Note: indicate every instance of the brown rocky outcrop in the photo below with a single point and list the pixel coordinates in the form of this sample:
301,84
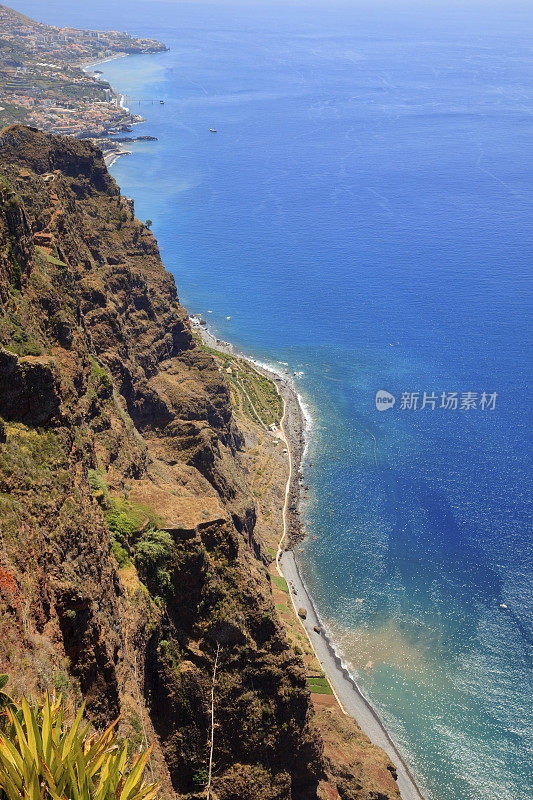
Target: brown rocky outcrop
29,388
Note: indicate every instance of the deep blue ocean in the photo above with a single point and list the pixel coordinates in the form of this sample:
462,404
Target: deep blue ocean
363,214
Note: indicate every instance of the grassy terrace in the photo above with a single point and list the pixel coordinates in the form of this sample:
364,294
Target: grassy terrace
252,393
281,583
49,257
319,685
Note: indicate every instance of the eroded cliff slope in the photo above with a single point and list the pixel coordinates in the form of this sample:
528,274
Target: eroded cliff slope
128,555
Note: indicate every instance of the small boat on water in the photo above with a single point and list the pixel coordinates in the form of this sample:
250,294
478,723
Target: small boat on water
162,102
213,130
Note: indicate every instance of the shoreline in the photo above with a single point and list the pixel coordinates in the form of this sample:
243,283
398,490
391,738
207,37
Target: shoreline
112,155
86,66
349,696
293,426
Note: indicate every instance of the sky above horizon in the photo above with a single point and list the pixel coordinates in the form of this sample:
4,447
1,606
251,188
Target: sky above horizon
52,7
120,14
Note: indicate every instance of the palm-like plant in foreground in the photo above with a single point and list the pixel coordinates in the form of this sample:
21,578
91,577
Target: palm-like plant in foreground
43,758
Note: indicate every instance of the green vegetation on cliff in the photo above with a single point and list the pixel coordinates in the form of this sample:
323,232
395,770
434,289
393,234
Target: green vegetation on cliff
251,391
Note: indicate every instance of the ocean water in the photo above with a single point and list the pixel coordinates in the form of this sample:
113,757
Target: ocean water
363,214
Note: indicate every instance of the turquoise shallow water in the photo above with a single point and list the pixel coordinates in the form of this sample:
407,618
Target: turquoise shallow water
363,215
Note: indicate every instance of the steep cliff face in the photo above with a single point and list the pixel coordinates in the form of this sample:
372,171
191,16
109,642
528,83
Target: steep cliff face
128,557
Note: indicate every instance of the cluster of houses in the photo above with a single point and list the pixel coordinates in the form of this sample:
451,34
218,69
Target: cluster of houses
42,84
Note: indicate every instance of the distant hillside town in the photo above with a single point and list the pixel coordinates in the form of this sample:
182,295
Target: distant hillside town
42,82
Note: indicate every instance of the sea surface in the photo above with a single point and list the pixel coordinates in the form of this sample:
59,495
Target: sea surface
363,216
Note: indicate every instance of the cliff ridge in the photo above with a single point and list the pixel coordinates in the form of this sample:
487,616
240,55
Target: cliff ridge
130,554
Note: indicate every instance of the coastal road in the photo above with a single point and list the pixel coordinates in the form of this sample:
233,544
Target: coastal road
351,699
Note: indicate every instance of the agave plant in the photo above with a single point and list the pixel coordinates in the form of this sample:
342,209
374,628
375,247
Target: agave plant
42,758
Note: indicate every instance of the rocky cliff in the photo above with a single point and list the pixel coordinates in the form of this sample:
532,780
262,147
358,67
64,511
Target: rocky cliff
128,554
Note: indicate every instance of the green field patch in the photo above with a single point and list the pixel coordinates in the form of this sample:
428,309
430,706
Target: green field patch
280,583
319,686
51,259
320,690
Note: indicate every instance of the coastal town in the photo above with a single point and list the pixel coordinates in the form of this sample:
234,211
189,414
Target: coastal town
43,82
